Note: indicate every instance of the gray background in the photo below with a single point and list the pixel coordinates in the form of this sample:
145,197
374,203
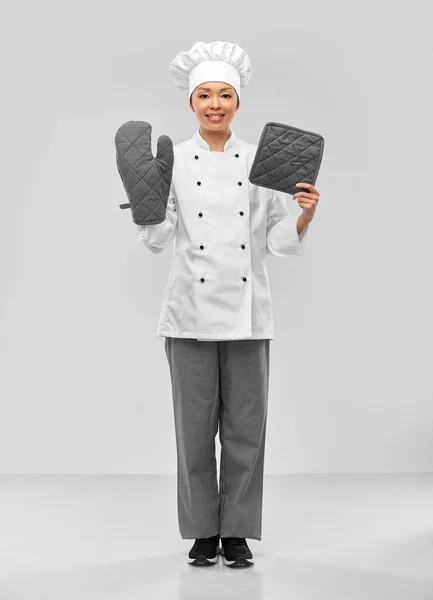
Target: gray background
84,381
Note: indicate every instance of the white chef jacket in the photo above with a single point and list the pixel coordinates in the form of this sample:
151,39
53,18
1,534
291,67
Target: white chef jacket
223,227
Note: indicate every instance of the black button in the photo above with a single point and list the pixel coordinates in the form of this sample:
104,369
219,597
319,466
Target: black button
239,182
242,212
200,214
198,182
237,155
202,279
196,156
244,278
243,246
201,247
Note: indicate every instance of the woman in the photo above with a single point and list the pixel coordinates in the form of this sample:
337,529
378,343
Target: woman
218,292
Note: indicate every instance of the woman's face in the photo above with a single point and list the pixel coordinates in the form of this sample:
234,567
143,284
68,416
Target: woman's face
214,97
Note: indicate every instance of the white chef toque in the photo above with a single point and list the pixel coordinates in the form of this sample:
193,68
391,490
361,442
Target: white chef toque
215,61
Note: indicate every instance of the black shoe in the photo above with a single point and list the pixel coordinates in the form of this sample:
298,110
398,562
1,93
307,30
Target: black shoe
205,551
236,552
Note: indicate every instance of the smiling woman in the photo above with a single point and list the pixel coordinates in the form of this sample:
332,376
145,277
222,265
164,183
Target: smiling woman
215,106
216,314
213,74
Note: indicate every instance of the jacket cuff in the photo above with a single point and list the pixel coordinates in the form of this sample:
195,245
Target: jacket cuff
283,238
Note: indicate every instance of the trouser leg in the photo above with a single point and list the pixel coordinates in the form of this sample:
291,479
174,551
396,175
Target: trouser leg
194,380
244,385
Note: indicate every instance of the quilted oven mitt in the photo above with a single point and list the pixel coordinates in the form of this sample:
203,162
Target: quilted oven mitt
286,155
146,179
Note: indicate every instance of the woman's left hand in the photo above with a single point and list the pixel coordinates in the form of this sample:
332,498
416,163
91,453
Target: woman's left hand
307,200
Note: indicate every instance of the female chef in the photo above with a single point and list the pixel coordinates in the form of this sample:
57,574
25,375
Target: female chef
218,292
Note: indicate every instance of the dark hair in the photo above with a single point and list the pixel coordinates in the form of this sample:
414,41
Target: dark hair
237,105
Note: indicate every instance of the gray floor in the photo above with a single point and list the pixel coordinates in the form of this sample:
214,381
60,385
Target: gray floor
324,536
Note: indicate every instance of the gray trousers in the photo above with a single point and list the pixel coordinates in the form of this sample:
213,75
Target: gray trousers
221,383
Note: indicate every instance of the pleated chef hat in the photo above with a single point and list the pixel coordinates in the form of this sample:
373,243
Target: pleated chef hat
215,61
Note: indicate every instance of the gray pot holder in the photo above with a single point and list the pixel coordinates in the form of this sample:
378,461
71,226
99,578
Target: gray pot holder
285,156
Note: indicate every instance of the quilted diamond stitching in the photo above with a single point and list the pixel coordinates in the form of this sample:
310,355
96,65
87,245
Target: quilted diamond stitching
285,156
152,174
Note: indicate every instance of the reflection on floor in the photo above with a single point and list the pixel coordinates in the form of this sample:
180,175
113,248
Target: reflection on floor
348,537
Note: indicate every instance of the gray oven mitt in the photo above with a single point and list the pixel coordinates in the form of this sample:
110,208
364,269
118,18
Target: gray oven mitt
286,156
146,179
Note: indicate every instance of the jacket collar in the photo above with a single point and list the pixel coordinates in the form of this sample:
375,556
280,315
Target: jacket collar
201,143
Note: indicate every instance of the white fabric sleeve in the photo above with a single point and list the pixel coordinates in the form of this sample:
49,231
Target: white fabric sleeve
158,237
282,237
